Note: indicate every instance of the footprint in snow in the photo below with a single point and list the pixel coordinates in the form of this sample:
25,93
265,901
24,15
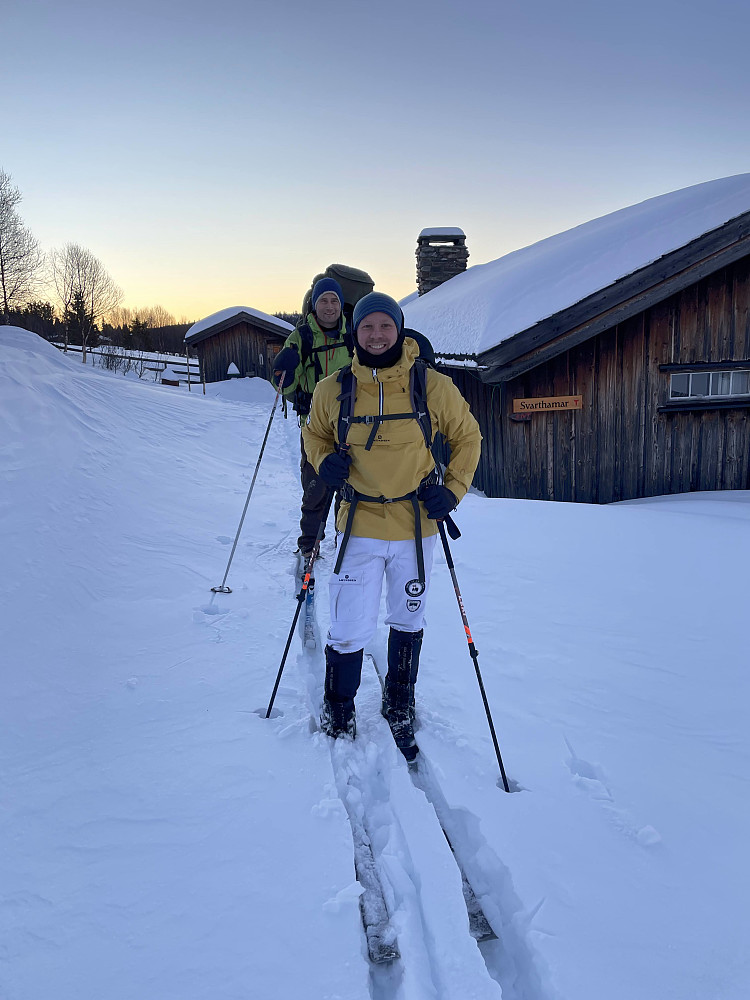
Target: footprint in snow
590,777
208,611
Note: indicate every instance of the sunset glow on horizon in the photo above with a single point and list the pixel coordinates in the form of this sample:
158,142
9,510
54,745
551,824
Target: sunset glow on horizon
224,155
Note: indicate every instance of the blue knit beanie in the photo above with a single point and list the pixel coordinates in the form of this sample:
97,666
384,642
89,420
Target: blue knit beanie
376,302
326,285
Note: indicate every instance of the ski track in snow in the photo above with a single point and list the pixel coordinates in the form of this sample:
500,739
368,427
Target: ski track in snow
404,815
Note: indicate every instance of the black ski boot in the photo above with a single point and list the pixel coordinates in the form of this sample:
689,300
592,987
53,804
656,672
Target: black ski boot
343,672
398,691
337,718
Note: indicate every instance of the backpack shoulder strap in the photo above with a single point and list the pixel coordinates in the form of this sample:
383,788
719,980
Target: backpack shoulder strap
312,354
346,401
418,390
306,340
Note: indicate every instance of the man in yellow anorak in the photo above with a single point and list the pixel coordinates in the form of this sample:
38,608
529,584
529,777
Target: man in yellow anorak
366,436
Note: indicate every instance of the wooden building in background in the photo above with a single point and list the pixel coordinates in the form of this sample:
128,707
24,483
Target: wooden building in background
240,336
640,389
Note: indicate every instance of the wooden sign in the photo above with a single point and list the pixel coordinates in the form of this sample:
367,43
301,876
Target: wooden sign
547,404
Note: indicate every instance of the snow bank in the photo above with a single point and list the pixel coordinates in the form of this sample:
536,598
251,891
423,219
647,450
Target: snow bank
243,390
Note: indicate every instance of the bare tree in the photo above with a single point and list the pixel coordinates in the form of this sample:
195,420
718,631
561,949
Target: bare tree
20,257
156,316
84,288
120,316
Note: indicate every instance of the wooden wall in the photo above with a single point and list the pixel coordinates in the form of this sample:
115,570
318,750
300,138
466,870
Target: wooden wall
621,445
250,348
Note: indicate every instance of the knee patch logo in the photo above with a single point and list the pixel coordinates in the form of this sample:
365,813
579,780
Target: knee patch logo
413,605
414,589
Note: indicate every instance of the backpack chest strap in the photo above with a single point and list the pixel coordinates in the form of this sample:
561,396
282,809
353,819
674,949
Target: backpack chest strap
419,412
377,419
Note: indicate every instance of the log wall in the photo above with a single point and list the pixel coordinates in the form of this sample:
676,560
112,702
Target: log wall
249,347
622,444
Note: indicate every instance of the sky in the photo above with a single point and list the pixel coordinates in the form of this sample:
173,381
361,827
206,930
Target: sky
222,154
162,840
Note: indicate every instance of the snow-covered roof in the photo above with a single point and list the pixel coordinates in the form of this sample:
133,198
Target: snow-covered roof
411,297
225,315
489,303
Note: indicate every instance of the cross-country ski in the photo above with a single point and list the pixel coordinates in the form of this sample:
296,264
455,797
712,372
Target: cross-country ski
307,618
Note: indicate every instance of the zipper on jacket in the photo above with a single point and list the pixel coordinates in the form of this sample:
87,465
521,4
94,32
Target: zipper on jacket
380,390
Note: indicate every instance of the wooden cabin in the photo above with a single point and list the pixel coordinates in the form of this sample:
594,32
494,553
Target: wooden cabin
640,388
239,336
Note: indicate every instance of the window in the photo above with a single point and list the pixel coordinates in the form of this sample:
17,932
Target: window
705,385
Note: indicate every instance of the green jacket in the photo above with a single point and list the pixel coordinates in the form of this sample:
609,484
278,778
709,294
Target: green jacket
307,373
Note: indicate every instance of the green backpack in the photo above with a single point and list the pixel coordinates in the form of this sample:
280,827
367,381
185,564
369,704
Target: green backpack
355,284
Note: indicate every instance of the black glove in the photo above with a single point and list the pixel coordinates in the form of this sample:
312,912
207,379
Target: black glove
438,500
334,469
286,362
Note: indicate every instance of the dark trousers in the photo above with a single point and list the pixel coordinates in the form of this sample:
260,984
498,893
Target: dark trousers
314,499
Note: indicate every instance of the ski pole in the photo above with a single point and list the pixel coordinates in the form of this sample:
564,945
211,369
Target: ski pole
472,648
222,589
301,598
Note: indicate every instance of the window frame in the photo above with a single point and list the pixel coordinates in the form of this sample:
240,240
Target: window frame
671,404
712,375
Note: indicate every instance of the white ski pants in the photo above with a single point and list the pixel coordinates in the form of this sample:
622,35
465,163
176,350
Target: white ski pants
355,591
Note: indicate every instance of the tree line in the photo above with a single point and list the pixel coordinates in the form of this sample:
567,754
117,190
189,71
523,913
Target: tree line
67,295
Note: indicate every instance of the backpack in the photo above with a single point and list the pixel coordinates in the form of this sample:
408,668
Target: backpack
417,395
354,284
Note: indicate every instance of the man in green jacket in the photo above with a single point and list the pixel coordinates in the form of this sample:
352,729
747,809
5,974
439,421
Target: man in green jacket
319,346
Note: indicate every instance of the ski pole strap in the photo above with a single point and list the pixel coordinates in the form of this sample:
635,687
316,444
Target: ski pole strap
352,497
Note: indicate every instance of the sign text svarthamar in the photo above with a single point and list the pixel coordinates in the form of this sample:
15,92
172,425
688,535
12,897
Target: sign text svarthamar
547,404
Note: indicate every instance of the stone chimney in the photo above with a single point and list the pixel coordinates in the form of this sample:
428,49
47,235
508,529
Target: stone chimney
441,254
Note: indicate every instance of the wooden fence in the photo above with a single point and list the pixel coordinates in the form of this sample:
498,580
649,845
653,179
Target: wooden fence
142,361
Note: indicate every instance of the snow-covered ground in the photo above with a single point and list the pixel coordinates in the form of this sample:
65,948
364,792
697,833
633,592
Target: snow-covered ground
160,840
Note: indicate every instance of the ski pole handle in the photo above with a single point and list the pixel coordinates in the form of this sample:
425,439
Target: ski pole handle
453,529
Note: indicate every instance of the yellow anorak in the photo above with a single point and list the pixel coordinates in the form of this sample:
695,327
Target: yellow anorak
398,460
